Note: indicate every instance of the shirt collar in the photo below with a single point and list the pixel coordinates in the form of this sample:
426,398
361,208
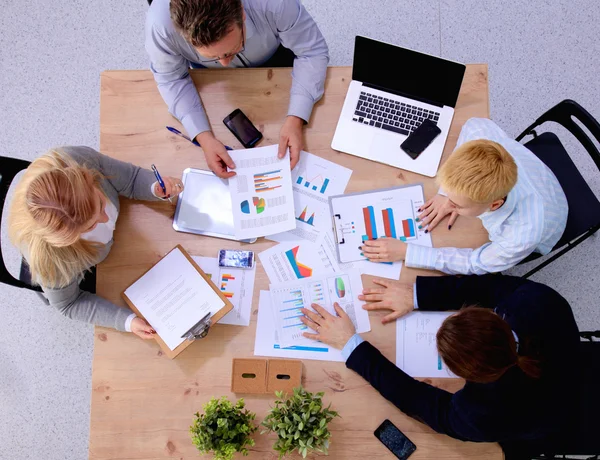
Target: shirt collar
498,216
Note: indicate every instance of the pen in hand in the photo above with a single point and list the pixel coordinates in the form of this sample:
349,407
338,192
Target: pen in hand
160,182
195,142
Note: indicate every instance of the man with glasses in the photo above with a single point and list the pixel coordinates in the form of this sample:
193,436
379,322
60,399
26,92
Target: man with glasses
235,33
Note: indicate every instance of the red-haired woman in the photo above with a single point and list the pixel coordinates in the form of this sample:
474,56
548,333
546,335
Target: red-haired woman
513,341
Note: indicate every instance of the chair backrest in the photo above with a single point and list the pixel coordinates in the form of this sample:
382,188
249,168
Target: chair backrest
584,207
9,168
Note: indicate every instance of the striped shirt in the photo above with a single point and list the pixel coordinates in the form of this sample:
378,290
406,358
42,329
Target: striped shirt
532,219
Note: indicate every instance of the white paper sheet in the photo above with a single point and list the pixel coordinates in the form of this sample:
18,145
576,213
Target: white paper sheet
294,260
314,179
261,193
416,350
288,298
238,286
388,213
266,342
173,297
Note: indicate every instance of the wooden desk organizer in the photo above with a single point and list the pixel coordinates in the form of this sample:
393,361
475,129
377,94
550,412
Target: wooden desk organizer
262,376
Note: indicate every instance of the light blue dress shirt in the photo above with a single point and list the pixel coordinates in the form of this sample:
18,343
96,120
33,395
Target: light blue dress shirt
532,219
269,23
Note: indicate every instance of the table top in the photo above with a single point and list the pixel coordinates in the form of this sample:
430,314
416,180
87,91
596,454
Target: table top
142,402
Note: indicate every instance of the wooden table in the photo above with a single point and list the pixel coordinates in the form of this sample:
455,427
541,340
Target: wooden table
142,402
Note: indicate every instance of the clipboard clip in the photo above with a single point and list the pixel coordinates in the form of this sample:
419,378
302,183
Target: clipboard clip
198,330
338,240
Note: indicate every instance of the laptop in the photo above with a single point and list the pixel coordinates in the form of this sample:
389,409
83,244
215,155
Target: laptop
392,91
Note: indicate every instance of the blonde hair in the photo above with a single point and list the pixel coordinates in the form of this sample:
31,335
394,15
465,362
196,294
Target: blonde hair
53,202
481,170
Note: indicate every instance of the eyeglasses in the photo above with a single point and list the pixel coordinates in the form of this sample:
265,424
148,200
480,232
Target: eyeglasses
228,55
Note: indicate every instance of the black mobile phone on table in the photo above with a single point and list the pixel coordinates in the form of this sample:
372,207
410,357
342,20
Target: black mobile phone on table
420,138
395,440
242,128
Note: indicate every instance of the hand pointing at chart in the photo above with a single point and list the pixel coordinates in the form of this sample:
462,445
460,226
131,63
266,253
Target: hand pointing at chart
331,330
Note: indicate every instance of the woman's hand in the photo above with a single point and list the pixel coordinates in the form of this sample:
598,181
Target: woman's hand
393,296
173,186
142,329
434,210
331,330
384,250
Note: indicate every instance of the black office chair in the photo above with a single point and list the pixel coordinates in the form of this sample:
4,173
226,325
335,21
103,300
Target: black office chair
584,208
9,168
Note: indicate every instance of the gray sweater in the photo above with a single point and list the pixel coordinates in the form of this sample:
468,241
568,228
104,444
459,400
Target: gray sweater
120,178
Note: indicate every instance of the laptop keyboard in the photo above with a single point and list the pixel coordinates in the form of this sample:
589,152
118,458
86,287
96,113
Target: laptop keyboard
390,115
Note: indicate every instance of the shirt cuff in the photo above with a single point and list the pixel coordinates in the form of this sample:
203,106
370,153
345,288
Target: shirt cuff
351,345
128,321
195,123
415,302
300,106
420,257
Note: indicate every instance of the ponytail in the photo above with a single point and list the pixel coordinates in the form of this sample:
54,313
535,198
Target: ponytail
529,366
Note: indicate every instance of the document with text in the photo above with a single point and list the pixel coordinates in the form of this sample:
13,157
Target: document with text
261,193
173,297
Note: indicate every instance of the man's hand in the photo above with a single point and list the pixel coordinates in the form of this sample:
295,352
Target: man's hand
142,329
434,210
216,155
384,250
394,296
331,330
291,136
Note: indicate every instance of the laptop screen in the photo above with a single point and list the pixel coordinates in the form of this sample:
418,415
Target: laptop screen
408,73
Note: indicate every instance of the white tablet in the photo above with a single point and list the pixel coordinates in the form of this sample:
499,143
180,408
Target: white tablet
204,206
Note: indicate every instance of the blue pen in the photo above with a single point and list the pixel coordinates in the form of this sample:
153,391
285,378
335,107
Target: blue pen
195,142
160,181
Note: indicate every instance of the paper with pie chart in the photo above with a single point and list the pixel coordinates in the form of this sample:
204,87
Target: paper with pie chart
287,300
294,260
261,193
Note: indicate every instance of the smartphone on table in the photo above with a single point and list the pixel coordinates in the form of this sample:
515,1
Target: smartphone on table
235,258
420,138
395,440
242,128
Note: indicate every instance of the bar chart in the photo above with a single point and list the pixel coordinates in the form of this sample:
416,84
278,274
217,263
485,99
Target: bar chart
225,278
288,313
318,184
270,180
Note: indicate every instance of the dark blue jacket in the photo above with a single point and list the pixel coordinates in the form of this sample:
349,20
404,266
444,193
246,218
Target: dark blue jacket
515,407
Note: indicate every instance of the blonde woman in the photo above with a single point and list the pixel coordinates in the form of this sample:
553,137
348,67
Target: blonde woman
62,219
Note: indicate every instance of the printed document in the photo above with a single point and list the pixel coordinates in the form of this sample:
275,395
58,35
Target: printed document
173,297
261,193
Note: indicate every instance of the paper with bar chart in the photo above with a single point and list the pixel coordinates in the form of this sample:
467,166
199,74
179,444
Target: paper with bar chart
261,193
294,260
389,213
236,284
287,299
314,179
416,346
266,342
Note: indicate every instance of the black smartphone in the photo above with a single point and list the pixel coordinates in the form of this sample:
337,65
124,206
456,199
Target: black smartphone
395,440
420,138
242,128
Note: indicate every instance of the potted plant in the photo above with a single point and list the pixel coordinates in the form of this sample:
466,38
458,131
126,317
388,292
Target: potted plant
223,429
300,423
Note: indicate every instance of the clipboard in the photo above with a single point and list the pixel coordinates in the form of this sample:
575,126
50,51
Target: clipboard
342,234
213,319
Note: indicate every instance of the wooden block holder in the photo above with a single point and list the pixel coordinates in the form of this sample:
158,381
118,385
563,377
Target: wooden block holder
265,376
